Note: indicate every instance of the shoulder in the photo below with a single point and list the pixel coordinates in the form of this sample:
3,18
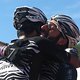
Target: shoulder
40,40
36,39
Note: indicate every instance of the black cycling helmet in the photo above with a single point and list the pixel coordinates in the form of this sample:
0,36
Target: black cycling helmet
29,18
68,28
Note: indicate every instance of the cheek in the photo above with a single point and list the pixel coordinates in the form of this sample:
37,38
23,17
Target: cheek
53,33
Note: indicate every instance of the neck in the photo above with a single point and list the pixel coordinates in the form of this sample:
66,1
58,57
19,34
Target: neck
22,37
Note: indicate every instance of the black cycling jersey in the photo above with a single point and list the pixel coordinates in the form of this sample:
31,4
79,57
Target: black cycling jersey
31,59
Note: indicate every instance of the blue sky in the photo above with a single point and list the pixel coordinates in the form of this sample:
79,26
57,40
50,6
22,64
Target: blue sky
49,7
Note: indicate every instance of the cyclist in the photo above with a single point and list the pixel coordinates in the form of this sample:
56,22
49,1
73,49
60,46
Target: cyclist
63,31
22,54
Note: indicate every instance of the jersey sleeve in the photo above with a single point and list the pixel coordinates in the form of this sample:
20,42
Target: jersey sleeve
72,51
3,47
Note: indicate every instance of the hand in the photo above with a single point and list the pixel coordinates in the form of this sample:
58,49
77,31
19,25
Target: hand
50,29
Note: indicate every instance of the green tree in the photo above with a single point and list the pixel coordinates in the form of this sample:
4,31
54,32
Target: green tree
78,48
